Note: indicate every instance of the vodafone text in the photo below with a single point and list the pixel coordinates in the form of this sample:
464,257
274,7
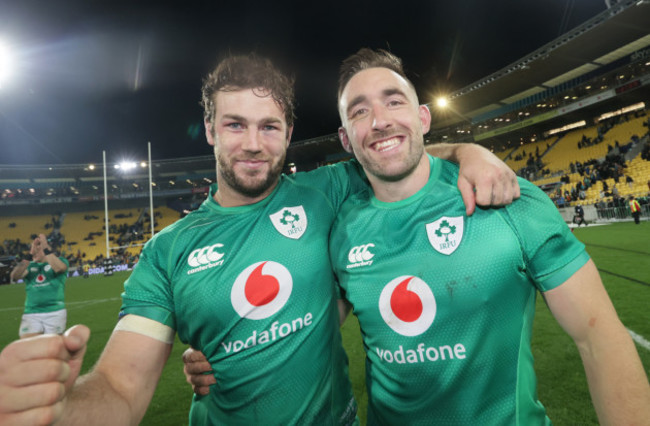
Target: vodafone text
276,331
422,354
41,284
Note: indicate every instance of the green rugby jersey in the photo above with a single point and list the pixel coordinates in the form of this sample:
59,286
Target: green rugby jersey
252,288
44,288
446,302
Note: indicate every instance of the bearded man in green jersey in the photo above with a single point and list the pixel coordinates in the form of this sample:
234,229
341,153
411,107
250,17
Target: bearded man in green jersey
446,301
246,279
44,274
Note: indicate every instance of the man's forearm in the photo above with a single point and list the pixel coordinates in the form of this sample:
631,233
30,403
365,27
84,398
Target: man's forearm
19,270
617,381
446,151
122,383
57,265
455,151
94,401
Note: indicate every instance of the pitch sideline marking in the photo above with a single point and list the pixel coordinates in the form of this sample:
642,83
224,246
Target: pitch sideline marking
81,302
640,340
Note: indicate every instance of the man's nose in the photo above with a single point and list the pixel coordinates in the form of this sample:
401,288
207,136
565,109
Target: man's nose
252,141
380,118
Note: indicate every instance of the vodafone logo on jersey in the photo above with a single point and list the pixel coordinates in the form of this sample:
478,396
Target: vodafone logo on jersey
407,305
261,290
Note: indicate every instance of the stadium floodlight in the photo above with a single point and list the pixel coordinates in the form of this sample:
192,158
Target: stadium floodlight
442,102
127,165
6,64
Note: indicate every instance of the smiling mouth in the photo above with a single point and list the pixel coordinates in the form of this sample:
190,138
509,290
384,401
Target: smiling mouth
386,145
252,164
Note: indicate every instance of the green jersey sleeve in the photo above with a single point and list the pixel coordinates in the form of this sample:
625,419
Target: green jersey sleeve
552,253
147,292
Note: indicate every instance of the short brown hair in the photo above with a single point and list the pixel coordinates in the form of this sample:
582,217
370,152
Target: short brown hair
249,72
367,58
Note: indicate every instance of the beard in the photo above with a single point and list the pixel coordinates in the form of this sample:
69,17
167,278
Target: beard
396,169
250,185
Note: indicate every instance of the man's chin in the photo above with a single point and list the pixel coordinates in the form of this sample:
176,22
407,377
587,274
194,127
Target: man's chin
390,174
250,183
254,189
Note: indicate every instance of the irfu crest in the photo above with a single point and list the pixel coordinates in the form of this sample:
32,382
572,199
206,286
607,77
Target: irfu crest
445,234
290,221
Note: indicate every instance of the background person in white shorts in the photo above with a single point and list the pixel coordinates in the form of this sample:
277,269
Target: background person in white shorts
44,274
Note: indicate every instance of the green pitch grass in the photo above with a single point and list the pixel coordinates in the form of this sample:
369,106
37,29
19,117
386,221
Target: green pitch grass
620,251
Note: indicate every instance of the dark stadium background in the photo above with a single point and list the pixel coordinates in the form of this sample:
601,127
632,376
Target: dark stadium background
112,75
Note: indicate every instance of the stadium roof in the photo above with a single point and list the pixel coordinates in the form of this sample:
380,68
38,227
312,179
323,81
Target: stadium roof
614,33
609,36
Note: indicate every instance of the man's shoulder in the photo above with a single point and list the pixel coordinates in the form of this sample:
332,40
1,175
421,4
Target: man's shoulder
329,171
530,190
182,225
448,171
336,181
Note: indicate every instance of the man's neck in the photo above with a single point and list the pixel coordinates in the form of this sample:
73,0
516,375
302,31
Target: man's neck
393,191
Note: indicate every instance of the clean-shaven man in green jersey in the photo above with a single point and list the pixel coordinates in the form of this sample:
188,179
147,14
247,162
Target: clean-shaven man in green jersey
446,301
44,274
246,279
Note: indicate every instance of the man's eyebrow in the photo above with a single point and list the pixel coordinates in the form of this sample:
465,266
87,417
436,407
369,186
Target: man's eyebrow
270,120
354,102
393,91
386,93
235,117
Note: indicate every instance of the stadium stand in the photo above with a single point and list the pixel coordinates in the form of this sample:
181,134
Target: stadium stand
24,228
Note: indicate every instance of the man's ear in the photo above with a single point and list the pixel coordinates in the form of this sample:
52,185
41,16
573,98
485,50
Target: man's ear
289,133
343,137
425,118
209,133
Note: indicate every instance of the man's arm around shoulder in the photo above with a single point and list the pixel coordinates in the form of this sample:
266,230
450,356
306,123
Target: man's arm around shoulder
483,179
617,381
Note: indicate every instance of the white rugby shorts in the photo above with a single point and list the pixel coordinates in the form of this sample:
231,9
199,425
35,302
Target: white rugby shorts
43,323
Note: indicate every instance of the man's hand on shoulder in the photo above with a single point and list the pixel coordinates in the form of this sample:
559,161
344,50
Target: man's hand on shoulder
484,179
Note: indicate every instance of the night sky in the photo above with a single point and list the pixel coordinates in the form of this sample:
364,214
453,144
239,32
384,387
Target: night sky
112,75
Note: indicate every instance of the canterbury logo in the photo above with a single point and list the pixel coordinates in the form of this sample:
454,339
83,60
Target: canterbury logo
360,253
205,255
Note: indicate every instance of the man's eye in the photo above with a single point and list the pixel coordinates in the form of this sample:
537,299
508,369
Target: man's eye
358,112
234,125
395,102
270,127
